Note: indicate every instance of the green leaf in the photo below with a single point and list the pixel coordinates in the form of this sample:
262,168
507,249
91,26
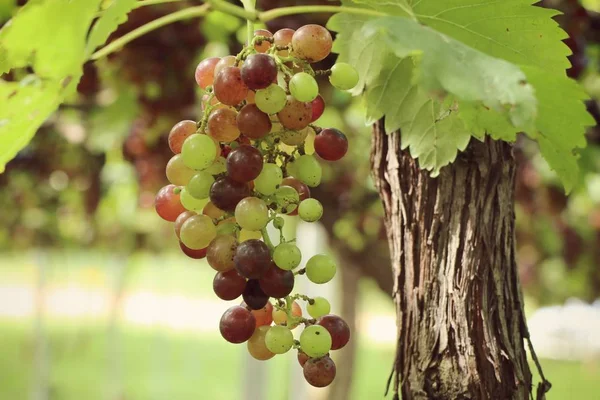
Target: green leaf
480,120
112,16
561,122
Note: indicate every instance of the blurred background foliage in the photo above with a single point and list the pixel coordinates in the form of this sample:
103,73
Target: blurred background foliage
77,212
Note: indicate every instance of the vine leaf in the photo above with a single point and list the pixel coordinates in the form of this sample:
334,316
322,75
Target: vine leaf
112,16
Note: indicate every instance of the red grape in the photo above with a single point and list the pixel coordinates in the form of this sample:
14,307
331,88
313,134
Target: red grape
302,358
228,61
229,87
253,295
259,71
337,328
253,123
283,37
318,106
296,114
264,316
263,46
244,163
179,133
226,193
319,372
311,43
237,324
205,72
181,219
331,144
167,204
252,258
276,282
229,285
222,125
191,253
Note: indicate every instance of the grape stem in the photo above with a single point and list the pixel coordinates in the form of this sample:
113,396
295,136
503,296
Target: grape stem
267,239
249,6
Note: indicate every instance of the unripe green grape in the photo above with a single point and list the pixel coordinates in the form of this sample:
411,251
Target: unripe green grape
286,199
199,185
198,151
310,210
271,100
343,76
197,232
278,222
177,173
320,268
307,169
245,234
219,166
279,339
294,137
269,179
287,256
319,307
190,202
252,214
315,341
227,228
304,87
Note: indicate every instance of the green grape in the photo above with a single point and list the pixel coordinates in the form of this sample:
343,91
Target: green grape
199,185
218,167
190,202
343,76
177,173
319,307
308,170
279,339
252,214
304,87
271,100
278,222
199,151
315,341
286,199
197,232
227,228
287,256
269,179
310,210
293,137
247,235
320,268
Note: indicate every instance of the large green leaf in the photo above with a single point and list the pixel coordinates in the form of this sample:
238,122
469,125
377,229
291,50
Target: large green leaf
112,16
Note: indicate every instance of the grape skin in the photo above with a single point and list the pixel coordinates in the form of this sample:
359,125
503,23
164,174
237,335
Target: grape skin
331,144
259,71
221,251
226,193
263,46
252,259
244,163
177,172
311,43
315,341
319,372
337,328
277,283
252,214
253,123
222,125
167,204
237,325
257,347
197,232
318,106
296,114
228,285
283,37
320,268
279,339
195,254
181,219
253,295
264,316
310,210
179,133
205,72
319,307
229,87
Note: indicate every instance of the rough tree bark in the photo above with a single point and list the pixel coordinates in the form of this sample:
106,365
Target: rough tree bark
461,327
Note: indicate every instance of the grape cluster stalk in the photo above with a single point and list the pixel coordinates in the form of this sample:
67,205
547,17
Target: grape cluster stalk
253,157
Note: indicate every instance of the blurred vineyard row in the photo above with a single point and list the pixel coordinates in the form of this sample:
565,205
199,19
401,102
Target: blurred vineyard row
91,173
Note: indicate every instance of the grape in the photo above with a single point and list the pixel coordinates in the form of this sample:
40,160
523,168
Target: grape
179,133
229,285
190,202
212,211
264,316
264,45
229,87
269,179
331,144
277,282
315,341
311,43
226,193
286,199
319,307
253,123
181,219
320,268
283,37
302,358
253,295
271,100
319,372
247,235
227,227
318,106
343,76
227,61
197,232
199,185
278,222
177,172
252,214
259,71
256,345
222,125
301,188
199,151
287,256
296,114
280,317
221,251
244,163
304,87
279,339
195,254
205,72
294,137
337,328
310,210
218,166
308,170
237,324
167,204
252,259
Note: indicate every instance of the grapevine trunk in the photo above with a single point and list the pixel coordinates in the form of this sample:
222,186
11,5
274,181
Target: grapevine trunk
461,327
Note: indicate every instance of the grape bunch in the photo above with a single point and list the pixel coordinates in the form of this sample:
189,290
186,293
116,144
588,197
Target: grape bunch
251,158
